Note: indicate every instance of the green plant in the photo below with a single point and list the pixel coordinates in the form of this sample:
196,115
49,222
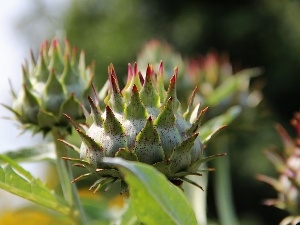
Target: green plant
142,123
138,141
142,140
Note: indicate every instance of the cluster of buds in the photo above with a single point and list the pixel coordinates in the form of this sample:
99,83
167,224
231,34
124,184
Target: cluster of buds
217,84
287,164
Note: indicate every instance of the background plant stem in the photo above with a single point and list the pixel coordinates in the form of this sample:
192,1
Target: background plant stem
65,175
222,183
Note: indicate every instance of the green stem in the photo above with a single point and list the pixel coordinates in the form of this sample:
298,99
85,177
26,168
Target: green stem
222,180
65,175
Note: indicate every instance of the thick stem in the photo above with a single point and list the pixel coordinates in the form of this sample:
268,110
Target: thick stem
65,175
222,182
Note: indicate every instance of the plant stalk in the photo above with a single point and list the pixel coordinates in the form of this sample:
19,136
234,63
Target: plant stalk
65,175
222,182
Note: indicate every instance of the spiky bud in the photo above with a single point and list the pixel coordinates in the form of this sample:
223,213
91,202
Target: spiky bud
141,123
53,84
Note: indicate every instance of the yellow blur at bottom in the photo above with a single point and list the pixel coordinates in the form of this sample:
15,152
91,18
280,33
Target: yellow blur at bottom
30,217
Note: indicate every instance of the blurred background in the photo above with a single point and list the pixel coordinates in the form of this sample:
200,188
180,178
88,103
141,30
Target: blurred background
256,33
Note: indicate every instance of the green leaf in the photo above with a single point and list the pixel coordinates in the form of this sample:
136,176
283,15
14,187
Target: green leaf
208,129
16,180
31,154
154,198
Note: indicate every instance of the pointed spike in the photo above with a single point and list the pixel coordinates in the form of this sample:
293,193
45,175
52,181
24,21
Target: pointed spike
67,50
271,181
161,68
111,124
54,94
26,78
81,64
135,109
166,118
85,111
195,126
289,145
73,56
129,74
205,141
160,83
74,147
13,93
277,160
112,74
32,59
80,162
33,106
188,112
133,79
141,78
68,77
71,107
194,167
110,184
148,145
172,90
82,177
181,156
89,142
135,69
192,182
97,184
148,94
13,111
56,57
41,71
149,71
72,121
95,112
183,174
116,100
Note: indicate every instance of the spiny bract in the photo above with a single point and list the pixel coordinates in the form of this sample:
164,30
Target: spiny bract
141,123
54,84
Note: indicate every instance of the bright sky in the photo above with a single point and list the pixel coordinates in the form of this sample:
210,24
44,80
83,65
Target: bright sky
12,54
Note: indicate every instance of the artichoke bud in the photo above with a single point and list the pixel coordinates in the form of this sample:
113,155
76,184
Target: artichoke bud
53,84
143,122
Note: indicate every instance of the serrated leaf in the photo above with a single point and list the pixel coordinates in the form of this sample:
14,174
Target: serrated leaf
32,154
155,199
16,180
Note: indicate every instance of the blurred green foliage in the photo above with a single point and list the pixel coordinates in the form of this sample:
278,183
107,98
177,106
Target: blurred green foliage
255,33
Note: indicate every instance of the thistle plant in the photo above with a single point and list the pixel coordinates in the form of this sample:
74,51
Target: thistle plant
56,83
140,137
142,123
287,166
